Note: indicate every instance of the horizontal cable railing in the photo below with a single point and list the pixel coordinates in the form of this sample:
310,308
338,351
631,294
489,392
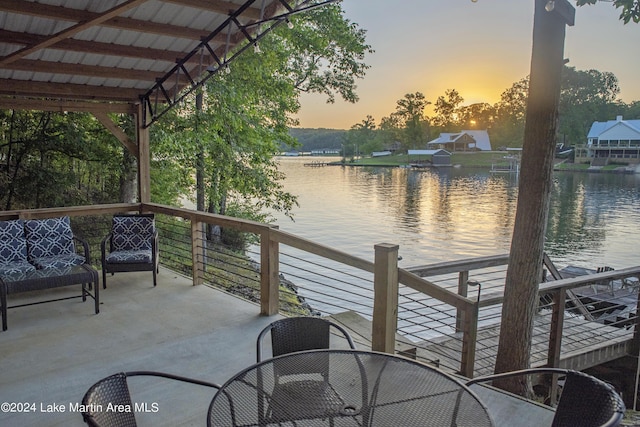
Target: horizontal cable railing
448,314
328,281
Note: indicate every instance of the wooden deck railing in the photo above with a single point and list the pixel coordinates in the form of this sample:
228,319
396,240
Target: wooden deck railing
387,277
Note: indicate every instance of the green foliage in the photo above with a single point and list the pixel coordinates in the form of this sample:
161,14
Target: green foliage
246,113
317,139
446,108
586,96
630,8
56,159
324,52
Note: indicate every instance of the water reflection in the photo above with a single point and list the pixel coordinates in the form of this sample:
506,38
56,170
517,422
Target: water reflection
457,213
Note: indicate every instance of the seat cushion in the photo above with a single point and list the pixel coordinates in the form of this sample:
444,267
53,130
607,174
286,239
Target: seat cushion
129,257
58,261
13,243
15,267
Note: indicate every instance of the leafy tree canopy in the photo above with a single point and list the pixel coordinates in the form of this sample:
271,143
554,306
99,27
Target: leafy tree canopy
630,8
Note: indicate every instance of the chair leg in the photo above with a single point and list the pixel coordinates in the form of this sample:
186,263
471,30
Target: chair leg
104,278
154,277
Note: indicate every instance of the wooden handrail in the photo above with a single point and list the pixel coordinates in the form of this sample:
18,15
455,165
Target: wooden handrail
271,237
460,265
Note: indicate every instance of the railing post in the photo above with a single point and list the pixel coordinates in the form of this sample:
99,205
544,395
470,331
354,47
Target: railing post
269,274
463,288
635,343
557,324
197,252
469,338
385,299
555,337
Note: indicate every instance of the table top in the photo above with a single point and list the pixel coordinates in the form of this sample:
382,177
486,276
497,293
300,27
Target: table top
345,388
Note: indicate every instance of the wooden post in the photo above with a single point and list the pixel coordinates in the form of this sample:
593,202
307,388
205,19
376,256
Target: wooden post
635,343
385,299
269,274
463,288
469,338
144,157
197,252
557,323
555,337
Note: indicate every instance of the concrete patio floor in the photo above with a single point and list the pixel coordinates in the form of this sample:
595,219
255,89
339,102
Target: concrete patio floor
52,353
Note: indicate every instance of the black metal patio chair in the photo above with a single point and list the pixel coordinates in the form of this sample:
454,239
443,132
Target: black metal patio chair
296,334
114,390
585,401
299,334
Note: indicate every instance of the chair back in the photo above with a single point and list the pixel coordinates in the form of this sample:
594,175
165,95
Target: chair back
132,232
13,248
112,390
299,334
49,237
588,402
294,334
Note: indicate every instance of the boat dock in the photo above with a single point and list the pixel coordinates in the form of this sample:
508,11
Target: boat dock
583,346
316,164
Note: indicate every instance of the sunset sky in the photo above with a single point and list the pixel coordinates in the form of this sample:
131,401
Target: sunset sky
480,49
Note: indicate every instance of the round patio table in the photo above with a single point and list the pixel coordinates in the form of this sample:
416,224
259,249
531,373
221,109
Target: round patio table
345,388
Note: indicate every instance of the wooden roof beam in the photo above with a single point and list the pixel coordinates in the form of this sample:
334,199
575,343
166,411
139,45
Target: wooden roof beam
13,103
76,15
83,70
67,91
72,45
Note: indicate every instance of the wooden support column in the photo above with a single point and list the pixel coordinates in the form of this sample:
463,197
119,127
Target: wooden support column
635,343
144,157
469,338
555,337
269,274
197,252
463,290
385,299
557,324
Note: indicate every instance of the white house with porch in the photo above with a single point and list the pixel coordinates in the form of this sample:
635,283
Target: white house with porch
466,140
614,140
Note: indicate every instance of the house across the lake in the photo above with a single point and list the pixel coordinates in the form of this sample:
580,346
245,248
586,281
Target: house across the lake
611,141
466,140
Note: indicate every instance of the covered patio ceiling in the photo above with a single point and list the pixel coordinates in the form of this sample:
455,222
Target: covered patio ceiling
124,56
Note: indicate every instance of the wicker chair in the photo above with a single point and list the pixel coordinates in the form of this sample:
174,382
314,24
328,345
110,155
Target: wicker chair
132,246
114,390
585,401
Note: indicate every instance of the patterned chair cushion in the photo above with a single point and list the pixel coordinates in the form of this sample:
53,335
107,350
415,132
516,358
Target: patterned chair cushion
128,257
13,243
132,233
15,267
50,243
13,248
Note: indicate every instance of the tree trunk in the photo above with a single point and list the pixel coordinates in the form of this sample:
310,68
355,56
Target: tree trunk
525,261
200,188
129,178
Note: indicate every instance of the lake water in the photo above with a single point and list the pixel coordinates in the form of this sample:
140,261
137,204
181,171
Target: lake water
459,213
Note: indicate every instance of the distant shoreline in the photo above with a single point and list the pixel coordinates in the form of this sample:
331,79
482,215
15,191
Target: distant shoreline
483,160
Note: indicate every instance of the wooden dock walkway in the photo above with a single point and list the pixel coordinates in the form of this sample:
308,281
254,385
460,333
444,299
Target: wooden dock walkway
585,344
316,164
